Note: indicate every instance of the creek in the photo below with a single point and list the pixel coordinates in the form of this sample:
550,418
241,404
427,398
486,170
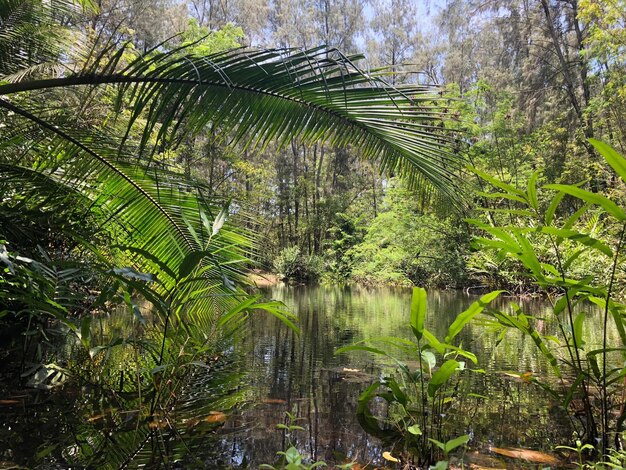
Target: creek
303,375
226,416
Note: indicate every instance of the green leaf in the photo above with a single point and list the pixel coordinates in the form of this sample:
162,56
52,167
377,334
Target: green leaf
85,333
521,323
593,198
434,342
578,329
238,310
45,451
573,257
149,256
462,352
293,456
441,465
570,393
218,223
560,304
552,207
572,219
527,255
511,190
368,422
441,376
613,158
429,358
418,311
456,442
415,430
277,311
532,191
578,237
439,444
595,368
134,308
398,394
465,317
504,210
512,197
190,262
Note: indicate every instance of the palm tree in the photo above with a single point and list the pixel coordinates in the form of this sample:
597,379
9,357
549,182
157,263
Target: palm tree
160,222
83,192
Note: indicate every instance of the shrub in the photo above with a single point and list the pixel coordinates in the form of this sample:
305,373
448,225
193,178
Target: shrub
405,246
292,265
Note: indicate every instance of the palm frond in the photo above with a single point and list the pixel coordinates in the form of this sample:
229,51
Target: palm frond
149,212
260,96
30,35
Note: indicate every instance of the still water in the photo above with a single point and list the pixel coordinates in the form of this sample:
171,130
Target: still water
303,375
227,417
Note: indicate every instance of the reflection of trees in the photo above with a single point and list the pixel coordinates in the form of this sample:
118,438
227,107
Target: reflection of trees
106,427
304,372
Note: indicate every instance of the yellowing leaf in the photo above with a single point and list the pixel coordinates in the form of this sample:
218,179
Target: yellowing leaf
215,417
387,456
534,456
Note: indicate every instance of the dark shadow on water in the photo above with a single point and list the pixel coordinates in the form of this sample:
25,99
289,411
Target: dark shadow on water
226,415
304,376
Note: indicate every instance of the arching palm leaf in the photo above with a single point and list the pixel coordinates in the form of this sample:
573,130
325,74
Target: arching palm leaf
281,95
255,97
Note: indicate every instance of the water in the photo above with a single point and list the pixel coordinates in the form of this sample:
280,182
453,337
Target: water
226,416
303,375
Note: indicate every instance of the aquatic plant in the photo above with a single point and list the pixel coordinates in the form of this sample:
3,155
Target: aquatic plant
291,458
575,260
418,399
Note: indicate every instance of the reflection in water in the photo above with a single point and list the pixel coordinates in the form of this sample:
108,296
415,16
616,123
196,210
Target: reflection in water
302,374
272,371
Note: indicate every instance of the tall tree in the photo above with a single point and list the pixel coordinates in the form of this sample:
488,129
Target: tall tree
258,96
394,34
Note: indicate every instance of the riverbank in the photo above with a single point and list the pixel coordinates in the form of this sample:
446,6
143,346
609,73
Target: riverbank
263,279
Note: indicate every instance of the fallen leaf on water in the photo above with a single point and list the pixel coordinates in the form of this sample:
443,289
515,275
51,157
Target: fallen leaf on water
527,377
215,417
478,461
389,457
273,401
534,456
5,465
96,418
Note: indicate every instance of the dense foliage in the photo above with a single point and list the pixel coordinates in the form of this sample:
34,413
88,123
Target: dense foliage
148,160
98,217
